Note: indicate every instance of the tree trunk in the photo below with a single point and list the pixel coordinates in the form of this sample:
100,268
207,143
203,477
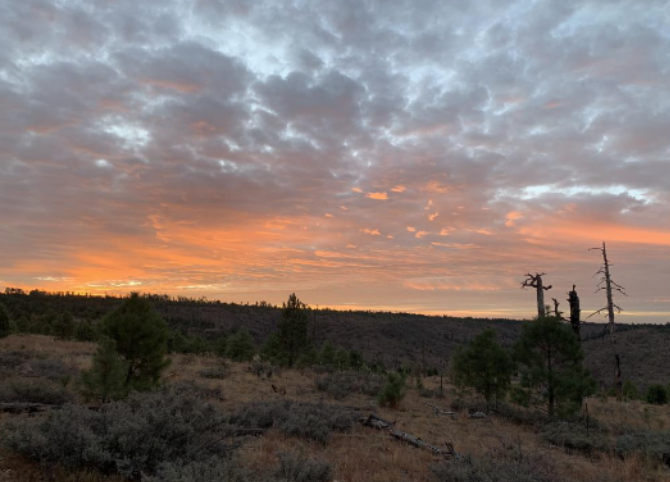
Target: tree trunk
575,312
541,313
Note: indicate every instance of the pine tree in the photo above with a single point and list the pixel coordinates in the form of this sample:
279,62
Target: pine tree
63,326
106,380
241,346
327,354
550,362
141,338
292,330
485,366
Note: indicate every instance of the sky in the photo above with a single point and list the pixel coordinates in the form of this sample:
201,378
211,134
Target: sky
416,156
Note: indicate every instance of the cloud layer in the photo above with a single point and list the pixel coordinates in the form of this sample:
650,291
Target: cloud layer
411,156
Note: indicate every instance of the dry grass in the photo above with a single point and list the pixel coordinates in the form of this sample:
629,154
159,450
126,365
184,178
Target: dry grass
365,454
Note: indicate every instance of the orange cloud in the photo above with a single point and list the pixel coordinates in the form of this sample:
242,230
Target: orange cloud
380,196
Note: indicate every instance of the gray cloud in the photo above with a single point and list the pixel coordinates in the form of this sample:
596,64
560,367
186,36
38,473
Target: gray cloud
206,137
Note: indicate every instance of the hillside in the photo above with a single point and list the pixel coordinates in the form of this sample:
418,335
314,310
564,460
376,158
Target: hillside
393,338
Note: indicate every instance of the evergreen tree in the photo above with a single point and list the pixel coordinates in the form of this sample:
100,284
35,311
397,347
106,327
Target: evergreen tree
355,360
141,338
85,331
5,323
342,359
106,380
292,330
327,354
485,366
657,394
63,326
550,361
241,346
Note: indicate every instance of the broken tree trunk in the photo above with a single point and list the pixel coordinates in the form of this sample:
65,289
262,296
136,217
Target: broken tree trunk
575,312
379,423
439,411
535,281
608,285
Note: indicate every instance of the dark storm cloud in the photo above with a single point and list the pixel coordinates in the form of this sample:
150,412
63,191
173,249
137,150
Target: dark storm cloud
401,140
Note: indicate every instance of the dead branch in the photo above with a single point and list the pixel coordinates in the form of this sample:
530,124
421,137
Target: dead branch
374,421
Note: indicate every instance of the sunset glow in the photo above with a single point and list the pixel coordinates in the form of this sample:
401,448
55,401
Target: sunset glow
365,155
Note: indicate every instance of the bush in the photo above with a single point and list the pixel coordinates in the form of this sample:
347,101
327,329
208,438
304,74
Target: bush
657,395
85,331
32,364
298,468
341,384
650,444
241,347
217,372
34,391
574,437
106,380
214,470
191,389
131,437
393,391
306,420
506,467
263,369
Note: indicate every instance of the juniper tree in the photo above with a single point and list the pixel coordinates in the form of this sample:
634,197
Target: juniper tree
241,346
485,366
292,334
141,338
106,379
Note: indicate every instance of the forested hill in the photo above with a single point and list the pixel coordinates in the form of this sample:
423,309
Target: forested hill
394,338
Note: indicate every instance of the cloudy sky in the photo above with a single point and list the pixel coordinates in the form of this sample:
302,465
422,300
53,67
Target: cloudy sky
407,155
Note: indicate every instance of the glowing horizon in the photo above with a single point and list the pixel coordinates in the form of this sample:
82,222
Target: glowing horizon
356,153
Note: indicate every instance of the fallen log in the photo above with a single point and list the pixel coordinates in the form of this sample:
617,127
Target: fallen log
439,411
23,407
379,423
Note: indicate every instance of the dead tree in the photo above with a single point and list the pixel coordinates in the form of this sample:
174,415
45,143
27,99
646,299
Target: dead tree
575,312
608,285
535,281
557,313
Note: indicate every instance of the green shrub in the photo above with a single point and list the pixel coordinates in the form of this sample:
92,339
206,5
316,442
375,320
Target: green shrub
650,444
217,469
85,331
130,437
106,379
657,395
306,420
191,389
298,468
341,384
241,347
393,391
575,437
63,326
217,372
33,390
518,468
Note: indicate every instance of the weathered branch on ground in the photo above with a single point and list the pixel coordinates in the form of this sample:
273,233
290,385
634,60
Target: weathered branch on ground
439,411
379,423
